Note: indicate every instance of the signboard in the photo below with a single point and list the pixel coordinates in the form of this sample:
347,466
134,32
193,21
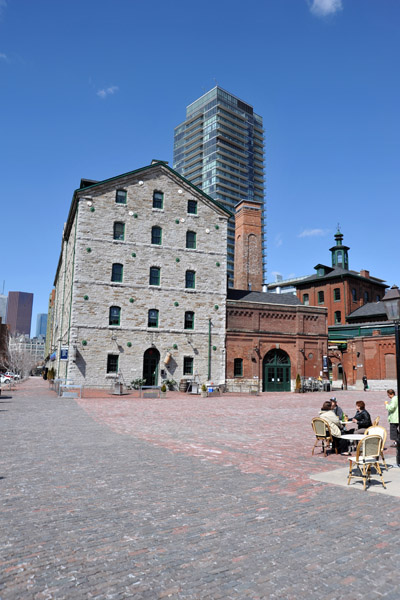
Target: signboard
64,353
325,363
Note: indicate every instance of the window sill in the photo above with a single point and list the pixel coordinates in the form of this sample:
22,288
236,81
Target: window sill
111,375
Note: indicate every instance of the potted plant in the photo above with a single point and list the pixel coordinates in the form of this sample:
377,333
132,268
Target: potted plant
163,391
203,391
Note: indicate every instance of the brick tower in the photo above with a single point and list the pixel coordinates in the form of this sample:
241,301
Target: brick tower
248,274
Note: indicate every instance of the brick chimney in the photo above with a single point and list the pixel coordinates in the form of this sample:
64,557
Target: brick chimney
248,249
364,273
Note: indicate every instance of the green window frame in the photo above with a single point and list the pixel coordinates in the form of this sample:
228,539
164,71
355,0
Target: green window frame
354,294
189,319
156,235
117,272
188,365
338,316
120,197
152,318
191,240
192,207
306,299
155,276
158,199
114,317
366,297
112,363
321,297
336,294
190,280
238,367
119,230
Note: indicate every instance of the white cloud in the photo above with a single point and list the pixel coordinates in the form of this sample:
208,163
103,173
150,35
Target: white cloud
323,8
313,233
3,56
278,240
108,91
3,6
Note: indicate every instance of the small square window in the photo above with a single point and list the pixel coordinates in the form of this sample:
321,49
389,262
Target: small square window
120,197
189,319
115,315
192,207
238,367
112,363
119,231
155,276
188,365
158,199
152,318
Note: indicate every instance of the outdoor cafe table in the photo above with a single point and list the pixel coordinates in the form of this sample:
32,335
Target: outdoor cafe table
353,438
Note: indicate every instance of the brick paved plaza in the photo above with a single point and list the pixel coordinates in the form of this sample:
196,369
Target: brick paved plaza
185,498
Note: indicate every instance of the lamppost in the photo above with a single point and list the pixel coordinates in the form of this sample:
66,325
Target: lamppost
392,307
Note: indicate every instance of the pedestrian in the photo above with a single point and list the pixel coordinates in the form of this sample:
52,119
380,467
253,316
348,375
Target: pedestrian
392,406
365,382
336,409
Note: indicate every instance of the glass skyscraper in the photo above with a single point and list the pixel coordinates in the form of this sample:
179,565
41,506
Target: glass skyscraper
220,149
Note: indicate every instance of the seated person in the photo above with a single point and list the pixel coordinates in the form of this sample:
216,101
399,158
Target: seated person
336,409
362,418
327,414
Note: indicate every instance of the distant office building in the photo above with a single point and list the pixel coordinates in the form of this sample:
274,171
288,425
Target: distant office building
220,149
19,312
41,325
3,308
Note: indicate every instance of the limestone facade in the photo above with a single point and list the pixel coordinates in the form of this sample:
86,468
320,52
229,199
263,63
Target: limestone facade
90,293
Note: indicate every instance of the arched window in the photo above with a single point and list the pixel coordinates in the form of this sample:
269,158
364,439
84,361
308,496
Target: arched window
117,272
189,319
152,320
155,276
156,235
191,240
119,230
190,279
115,315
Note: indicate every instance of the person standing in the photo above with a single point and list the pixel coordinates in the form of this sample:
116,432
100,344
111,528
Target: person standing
392,407
365,382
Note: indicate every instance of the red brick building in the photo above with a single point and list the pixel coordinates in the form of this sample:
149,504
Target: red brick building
270,338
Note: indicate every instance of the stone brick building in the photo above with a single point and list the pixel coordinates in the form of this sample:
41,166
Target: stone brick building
140,288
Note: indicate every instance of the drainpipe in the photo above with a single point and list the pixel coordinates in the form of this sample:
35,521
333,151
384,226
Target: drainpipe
209,350
72,283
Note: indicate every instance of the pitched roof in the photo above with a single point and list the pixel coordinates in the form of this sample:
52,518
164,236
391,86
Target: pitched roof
263,297
370,310
339,272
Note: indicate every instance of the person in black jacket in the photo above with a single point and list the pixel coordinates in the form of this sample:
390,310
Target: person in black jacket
365,382
362,417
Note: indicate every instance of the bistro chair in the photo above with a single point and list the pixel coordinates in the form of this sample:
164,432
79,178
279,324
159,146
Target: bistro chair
322,434
367,456
376,422
382,432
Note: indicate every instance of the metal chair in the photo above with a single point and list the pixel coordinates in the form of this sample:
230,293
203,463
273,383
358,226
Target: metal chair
367,456
382,432
323,434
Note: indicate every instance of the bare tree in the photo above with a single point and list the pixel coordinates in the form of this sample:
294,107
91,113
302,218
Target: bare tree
19,359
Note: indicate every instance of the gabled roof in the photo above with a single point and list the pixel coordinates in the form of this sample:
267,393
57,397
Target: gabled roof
339,273
369,310
262,297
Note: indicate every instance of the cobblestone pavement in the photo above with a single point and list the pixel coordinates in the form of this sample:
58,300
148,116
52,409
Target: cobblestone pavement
184,498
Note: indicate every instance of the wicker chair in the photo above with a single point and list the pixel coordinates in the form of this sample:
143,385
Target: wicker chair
376,422
382,432
367,456
323,434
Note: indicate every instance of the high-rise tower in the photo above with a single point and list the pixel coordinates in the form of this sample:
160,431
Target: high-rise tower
220,149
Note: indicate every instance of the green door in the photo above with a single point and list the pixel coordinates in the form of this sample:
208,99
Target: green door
276,371
151,360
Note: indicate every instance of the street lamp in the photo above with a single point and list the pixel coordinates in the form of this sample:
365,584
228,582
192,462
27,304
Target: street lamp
392,308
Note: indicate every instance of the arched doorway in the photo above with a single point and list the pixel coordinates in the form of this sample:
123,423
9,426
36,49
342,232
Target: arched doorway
151,361
276,371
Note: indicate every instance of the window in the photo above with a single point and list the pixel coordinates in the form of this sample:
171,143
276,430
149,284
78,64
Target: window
119,230
155,273
238,367
336,294
188,365
117,272
190,239
120,197
378,298
306,300
190,279
115,315
354,294
192,207
189,319
321,272
158,200
152,320
321,297
338,316
366,297
112,363
156,235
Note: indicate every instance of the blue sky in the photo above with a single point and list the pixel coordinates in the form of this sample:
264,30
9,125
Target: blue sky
94,88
